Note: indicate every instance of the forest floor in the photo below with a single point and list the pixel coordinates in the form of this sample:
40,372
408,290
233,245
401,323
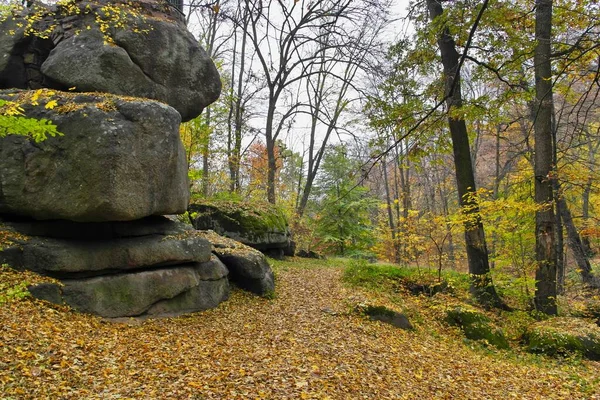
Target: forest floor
305,343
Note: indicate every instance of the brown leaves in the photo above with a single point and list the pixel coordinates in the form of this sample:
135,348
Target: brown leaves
252,348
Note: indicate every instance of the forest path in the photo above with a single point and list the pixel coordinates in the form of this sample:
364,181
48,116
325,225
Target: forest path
306,343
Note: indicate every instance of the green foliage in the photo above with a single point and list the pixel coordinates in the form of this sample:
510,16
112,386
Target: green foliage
12,122
361,273
385,276
6,9
227,196
343,220
11,289
510,226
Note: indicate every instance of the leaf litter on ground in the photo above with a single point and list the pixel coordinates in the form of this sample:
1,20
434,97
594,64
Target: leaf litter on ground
306,343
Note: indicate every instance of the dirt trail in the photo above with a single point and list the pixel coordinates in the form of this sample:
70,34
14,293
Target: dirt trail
304,344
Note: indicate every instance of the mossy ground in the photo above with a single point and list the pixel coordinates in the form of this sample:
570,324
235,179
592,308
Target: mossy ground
455,308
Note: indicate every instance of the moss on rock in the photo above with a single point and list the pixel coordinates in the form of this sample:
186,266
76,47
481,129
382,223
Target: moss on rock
258,225
476,326
562,336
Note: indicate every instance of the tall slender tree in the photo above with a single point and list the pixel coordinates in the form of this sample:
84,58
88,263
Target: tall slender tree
482,287
546,290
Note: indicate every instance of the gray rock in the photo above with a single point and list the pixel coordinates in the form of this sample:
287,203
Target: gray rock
63,229
309,254
211,270
264,228
86,63
66,257
384,314
161,292
182,74
148,275
128,294
119,160
476,326
208,294
564,336
12,67
248,267
47,291
152,56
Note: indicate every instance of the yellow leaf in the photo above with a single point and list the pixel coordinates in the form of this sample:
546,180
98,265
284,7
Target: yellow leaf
35,97
51,104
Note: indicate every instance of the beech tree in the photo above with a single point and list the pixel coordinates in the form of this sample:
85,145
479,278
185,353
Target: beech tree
545,295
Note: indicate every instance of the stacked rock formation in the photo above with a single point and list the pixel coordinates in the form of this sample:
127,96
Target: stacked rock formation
87,207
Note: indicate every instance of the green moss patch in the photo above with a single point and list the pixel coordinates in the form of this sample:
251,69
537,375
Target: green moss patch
563,336
254,220
476,326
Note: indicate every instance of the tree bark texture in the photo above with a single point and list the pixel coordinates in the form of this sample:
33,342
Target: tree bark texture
546,290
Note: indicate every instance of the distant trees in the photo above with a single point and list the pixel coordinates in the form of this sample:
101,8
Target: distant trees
507,111
284,62
301,43
345,207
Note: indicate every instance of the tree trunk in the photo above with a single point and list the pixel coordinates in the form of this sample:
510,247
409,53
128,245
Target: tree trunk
236,141
576,245
546,291
558,223
586,215
390,212
482,287
560,242
230,120
271,161
205,155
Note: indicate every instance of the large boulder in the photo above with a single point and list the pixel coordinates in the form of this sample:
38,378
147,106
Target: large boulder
260,226
64,229
119,159
82,46
60,258
476,326
248,268
118,253
157,292
152,267
564,336
12,39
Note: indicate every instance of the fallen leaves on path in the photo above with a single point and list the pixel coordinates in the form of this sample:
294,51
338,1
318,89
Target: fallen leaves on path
304,344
